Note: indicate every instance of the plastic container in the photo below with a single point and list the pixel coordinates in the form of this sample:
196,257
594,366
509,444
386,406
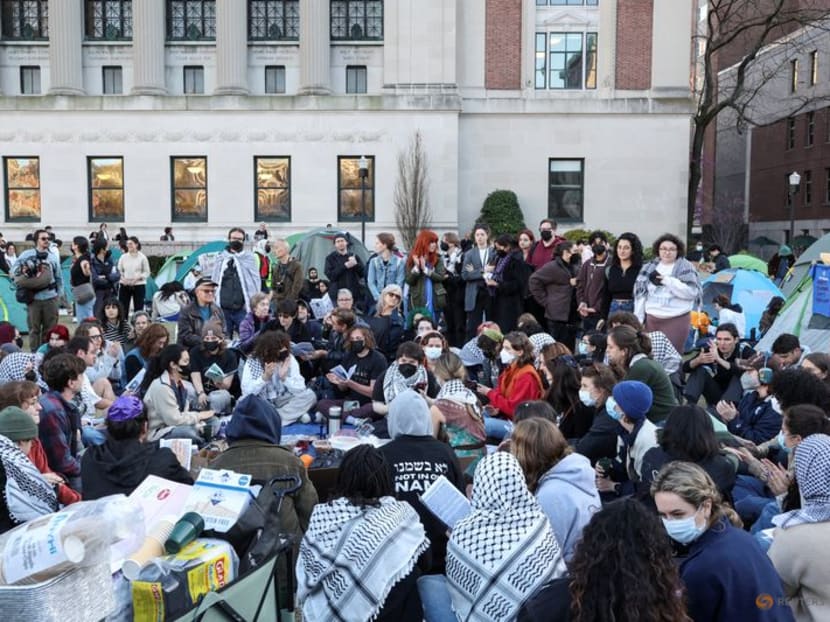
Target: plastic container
334,420
189,527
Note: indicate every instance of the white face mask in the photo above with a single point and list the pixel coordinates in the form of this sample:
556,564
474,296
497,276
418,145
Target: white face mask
585,398
749,382
507,357
433,352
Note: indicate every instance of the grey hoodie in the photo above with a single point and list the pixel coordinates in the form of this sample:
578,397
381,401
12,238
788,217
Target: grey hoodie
568,496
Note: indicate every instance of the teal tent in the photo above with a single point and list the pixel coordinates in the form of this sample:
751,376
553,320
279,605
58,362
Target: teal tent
314,245
204,256
11,310
170,268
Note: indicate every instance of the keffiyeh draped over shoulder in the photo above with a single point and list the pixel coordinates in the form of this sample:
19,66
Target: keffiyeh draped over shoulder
395,382
812,472
351,557
26,493
504,550
683,270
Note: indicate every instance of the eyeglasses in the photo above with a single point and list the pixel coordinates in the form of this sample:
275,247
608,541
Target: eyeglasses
43,239
96,337
664,249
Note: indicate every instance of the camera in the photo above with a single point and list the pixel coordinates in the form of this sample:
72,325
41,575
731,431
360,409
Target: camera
279,288
654,277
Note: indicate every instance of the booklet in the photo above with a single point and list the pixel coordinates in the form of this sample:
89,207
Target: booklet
342,372
132,385
446,501
182,447
217,374
320,307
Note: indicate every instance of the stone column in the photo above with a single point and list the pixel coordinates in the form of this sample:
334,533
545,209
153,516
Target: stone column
607,52
231,48
65,37
315,49
149,33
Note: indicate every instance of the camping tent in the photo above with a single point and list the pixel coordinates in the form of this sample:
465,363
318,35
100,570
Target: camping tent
803,263
11,310
797,318
170,268
66,265
748,262
204,256
311,250
748,288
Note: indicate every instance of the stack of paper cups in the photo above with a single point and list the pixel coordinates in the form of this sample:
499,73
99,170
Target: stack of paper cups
153,547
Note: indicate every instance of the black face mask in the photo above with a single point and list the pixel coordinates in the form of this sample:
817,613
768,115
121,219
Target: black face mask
282,355
19,342
236,246
30,375
598,249
547,236
358,346
575,259
501,253
211,346
445,247
184,370
267,249
407,369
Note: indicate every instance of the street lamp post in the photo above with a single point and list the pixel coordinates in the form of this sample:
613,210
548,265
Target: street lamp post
794,179
363,165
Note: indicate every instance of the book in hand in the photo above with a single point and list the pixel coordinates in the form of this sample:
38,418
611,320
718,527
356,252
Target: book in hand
342,372
182,448
132,385
320,307
217,374
445,501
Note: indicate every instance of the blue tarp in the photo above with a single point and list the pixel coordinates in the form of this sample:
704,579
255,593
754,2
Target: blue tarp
11,310
748,288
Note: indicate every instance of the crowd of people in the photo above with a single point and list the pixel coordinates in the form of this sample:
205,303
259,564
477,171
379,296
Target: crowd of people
620,462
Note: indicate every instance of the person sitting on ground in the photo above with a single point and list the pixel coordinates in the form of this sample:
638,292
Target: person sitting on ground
168,398
460,409
105,361
591,347
504,550
272,373
124,460
417,459
717,260
434,345
288,323
114,323
756,417
139,321
203,309
311,286
628,405
56,337
169,301
690,436
213,392
25,492
662,350
562,481
306,318
575,418
254,322
362,537
715,373
818,364
788,351
149,344
595,387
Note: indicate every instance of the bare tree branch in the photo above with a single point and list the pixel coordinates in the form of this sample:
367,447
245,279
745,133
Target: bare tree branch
411,199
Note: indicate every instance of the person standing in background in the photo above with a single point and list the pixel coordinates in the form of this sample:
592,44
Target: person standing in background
237,276
134,270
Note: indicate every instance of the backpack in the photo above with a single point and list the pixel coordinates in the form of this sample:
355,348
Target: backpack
33,275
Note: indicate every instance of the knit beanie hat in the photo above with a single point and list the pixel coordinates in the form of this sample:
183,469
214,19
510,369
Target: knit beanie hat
493,334
17,425
634,398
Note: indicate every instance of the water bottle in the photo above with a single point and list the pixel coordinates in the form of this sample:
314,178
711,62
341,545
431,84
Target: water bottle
334,420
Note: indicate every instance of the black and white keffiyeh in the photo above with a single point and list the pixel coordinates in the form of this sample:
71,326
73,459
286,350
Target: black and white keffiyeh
455,391
26,493
504,550
351,557
394,381
812,472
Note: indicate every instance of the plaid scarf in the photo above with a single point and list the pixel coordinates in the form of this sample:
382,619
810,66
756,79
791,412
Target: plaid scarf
682,270
504,550
27,494
351,557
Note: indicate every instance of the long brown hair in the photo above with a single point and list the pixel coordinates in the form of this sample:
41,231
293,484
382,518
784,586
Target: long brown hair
538,446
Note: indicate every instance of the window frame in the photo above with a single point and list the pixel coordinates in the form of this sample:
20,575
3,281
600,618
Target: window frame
807,184
40,33
790,133
200,70
588,70
207,22
810,134
813,67
565,218
358,69
280,69
585,3
124,27
91,189
794,75
347,16
7,190
23,70
267,17
827,185
259,215
342,216
178,217
120,73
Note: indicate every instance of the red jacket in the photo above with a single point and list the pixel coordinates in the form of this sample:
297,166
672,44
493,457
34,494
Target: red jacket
38,457
516,385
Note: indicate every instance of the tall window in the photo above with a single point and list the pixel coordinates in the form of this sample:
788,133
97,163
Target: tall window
109,20
356,20
351,196
275,79
807,183
27,20
21,178
566,60
194,80
794,75
811,129
188,188
273,188
105,179
813,67
273,20
790,132
191,20
355,79
111,77
566,186
29,80
567,2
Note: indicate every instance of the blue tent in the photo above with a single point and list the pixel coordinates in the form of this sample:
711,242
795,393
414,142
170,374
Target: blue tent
748,288
11,310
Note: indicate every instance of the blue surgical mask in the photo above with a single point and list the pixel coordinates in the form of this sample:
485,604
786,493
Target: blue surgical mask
781,442
582,348
611,409
586,398
683,530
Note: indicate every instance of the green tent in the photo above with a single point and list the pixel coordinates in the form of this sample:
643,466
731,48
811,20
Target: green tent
748,262
11,310
170,268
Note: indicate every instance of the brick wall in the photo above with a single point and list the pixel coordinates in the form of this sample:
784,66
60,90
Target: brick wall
634,30
502,55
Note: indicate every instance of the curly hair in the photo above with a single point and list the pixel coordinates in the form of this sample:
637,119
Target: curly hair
623,569
364,477
268,345
636,249
794,385
669,237
146,342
